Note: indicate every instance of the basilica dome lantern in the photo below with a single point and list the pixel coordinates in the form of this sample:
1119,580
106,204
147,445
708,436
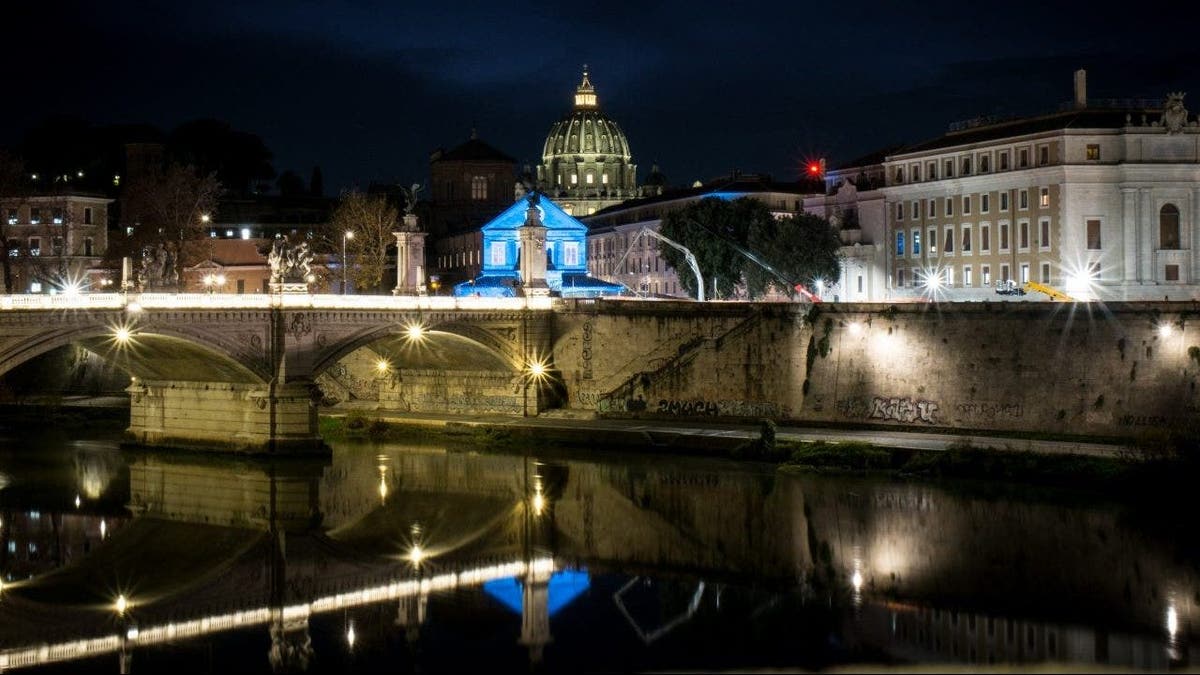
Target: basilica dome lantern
586,163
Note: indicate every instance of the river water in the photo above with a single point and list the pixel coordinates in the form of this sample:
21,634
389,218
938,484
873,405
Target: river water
438,558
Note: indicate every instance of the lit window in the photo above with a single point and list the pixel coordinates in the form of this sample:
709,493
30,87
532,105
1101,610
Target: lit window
35,246
604,178
479,188
1044,198
967,280
496,253
589,178
570,253
574,179
1093,152
35,216
916,243
985,274
245,233
1168,227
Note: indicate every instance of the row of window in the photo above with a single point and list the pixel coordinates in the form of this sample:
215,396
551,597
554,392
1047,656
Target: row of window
964,277
36,216
918,277
964,241
588,179
57,247
928,208
980,162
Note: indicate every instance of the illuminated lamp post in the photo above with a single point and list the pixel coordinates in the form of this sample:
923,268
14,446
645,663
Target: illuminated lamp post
347,236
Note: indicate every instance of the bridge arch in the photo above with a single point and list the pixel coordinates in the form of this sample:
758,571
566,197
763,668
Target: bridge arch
153,352
448,345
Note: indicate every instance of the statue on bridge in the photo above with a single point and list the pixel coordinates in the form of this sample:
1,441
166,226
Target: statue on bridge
291,265
160,268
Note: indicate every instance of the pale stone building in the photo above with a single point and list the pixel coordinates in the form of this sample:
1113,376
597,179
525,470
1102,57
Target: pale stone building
1100,200
56,242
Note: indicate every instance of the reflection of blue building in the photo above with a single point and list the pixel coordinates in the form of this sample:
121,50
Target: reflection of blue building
566,256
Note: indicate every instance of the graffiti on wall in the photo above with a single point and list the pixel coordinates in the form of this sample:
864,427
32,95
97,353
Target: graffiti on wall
587,350
890,409
1143,421
702,408
990,411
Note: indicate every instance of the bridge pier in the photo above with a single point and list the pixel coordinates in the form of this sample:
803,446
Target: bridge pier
229,416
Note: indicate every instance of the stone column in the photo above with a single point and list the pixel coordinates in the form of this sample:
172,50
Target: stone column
532,239
1129,229
1194,208
1146,250
410,259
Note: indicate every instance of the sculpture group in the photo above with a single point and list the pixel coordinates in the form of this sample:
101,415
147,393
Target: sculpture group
290,263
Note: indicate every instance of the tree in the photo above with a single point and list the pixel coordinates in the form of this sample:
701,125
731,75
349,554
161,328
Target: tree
371,219
291,184
316,184
713,229
240,160
801,249
167,206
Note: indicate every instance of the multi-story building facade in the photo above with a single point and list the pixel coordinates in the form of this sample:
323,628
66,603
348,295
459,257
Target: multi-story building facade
616,252
55,242
1101,200
470,184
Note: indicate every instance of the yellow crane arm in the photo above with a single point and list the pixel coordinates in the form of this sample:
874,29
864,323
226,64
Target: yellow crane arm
1054,293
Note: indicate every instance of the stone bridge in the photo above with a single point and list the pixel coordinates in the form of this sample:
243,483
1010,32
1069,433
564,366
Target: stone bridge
247,371
240,371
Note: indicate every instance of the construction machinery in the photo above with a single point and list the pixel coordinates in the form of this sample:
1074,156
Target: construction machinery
1010,287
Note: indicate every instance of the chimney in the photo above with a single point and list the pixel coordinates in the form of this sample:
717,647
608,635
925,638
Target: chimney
1081,88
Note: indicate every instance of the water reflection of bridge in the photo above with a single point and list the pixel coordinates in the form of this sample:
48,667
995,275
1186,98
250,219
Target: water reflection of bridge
275,545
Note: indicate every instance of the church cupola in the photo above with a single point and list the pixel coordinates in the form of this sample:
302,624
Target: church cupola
585,93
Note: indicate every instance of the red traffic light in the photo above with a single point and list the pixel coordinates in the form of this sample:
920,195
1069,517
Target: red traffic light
814,169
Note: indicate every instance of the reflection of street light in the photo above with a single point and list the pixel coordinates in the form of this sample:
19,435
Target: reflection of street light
347,236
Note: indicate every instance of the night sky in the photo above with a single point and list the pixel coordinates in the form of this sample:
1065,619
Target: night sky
367,90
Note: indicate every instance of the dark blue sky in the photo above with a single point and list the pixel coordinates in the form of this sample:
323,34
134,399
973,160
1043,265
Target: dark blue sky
368,89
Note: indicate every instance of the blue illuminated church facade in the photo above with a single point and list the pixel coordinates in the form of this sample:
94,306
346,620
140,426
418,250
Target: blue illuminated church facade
565,248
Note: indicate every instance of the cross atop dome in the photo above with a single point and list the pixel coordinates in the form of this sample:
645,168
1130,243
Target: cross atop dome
585,93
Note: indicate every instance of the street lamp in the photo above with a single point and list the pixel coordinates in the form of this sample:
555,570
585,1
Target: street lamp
211,281
347,236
